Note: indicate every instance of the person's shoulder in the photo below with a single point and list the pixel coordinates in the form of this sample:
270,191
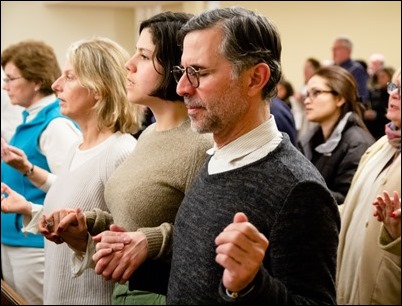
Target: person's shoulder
295,162
125,139
122,144
358,135
279,105
378,145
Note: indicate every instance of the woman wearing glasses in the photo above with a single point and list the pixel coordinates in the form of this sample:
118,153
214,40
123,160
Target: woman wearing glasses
92,91
337,143
42,139
369,253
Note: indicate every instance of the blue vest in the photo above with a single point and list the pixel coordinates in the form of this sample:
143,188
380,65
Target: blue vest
26,138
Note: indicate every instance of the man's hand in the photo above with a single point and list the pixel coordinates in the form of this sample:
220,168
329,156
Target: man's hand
240,250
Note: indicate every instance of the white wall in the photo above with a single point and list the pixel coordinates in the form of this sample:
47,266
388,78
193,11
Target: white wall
307,28
59,26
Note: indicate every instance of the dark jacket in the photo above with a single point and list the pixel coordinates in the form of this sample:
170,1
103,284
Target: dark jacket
337,158
284,118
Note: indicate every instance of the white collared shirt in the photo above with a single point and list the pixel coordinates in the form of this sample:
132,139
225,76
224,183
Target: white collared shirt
246,149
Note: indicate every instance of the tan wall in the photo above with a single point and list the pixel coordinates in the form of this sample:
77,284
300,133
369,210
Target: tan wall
59,26
307,28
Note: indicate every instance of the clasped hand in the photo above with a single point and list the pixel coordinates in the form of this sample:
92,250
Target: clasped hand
65,225
119,253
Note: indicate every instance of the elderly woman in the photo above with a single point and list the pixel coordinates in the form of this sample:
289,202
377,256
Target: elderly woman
42,139
369,254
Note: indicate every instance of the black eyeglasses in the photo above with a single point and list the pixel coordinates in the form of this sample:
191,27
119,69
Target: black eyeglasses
315,93
193,75
392,86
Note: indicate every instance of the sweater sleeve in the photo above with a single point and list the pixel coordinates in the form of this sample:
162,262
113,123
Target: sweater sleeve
312,282
159,241
98,221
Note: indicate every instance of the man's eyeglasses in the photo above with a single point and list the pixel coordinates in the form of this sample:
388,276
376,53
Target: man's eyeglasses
193,75
315,93
391,87
10,79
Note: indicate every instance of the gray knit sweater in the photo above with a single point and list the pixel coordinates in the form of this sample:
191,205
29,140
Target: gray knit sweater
286,198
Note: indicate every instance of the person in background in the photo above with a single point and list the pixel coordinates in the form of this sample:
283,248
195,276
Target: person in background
311,65
92,91
341,54
285,91
375,63
40,141
336,145
281,109
375,114
11,115
362,62
369,253
284,118
144,194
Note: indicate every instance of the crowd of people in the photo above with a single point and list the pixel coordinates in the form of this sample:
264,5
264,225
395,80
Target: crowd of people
239,190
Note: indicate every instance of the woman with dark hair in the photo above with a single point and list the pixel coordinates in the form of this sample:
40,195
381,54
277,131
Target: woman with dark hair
336,145
144,194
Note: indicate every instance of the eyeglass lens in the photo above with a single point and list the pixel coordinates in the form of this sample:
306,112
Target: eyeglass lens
192,75
392,86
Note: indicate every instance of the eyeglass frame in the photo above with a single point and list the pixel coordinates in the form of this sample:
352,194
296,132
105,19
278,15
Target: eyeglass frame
193,73
10,79
391,88
317,92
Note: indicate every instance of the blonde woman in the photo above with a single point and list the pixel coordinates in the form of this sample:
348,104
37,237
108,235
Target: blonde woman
92,91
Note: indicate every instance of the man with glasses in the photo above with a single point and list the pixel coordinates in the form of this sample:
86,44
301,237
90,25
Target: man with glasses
258,225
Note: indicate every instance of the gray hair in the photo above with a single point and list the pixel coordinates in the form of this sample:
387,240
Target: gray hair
248,39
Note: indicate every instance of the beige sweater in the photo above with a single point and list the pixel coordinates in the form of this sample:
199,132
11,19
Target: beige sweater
146,191
369,263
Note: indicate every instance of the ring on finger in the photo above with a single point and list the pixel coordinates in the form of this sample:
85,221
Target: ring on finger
49,224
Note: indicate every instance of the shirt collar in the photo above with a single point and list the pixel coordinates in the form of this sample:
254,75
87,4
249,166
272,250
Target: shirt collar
248,142
35,108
